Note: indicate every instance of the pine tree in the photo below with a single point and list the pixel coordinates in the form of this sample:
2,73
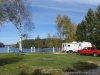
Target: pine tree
97,28
89,29
81,32
90,24
86,28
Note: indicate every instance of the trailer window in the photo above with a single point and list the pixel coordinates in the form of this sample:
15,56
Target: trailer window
79,44
85,48
68,45
92,48
63,45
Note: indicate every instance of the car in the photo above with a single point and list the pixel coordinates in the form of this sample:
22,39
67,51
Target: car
89,51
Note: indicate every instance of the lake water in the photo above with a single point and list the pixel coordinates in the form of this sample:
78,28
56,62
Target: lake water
27,50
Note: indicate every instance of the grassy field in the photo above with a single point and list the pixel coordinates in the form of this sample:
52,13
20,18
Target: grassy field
48,63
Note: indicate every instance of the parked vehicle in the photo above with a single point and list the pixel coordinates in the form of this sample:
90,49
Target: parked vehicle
89,51
75,46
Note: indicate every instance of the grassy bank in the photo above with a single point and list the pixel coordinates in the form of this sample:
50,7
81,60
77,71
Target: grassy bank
12,64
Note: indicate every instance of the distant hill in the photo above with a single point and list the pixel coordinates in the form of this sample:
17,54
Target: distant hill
1,44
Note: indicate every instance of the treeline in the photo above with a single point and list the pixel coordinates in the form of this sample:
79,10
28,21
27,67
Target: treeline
41,43
1,44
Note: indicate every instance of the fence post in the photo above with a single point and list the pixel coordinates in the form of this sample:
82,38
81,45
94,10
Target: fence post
31,49
53,49
59,49
34,49
8,50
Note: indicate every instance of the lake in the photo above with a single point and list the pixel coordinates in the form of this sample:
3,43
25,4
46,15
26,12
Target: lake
27,50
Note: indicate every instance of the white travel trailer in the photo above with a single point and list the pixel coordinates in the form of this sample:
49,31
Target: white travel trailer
74,46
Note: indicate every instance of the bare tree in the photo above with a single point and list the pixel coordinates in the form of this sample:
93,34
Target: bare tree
3,16
20,16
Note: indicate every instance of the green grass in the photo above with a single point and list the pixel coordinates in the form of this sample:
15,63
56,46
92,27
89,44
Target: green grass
12,64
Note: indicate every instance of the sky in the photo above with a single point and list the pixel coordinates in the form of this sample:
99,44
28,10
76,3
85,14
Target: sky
44,13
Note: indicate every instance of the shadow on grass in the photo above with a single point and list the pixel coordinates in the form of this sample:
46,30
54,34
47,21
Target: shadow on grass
81,66
39,72
10,60
23,73
36,72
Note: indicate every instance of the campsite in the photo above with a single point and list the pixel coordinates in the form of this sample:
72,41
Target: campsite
49,37
47,63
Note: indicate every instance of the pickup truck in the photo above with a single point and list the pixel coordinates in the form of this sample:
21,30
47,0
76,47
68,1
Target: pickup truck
89,51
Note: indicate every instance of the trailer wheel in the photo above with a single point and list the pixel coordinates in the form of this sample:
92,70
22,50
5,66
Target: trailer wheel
95,54
70,51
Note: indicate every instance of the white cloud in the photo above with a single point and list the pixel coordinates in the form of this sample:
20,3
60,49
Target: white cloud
10,38
92,2
65,5
58,8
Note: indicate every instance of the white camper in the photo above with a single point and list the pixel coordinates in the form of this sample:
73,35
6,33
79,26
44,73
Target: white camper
74,46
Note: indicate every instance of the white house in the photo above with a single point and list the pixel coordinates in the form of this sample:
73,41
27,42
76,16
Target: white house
74,46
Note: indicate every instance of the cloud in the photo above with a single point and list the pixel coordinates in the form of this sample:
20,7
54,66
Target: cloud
78,6
10,38
91,2
64,9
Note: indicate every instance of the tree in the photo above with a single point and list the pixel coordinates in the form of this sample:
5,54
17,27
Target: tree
20,16
3,1
3,16
66,29
49,36
85,28
96,33
89,29
49,41
81,31
72,31
38,43
90,24
24,36
56,41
